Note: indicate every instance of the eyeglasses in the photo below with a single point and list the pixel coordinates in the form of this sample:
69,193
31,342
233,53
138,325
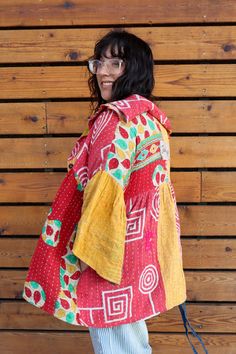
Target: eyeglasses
113,65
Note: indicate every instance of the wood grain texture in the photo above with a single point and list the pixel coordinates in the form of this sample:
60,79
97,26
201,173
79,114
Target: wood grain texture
182,80
29,187
210,286
219,186
206,116
67,117
208,220
205,152
22,220
54,12
199,80
197,254
35,152
22,118
196,220
43,82
186,185
76,45
209,253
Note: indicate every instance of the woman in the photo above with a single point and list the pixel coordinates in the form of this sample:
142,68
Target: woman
109,255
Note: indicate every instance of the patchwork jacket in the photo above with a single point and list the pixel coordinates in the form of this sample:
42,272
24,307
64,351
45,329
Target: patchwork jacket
116,211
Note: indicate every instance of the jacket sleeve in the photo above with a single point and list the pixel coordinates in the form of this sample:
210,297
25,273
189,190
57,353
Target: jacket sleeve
100,238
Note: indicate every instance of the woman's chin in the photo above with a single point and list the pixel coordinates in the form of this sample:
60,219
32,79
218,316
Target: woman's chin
106,96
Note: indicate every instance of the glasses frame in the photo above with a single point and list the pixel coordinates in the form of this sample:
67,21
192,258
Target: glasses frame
103,62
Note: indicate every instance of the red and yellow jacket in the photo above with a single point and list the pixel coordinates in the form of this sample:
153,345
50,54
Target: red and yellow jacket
115,211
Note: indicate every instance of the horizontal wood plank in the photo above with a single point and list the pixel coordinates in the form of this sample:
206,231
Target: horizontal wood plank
189,152
195,80
207,220
201,285
67,117
43,342
43,82
23,342
200,80
175,344
212,254
210,286
187,186
41,187
22,220
22,118
197,254
210,318
30,187
54,12
219,186
76,45
27,153
196,220
204,116
205,152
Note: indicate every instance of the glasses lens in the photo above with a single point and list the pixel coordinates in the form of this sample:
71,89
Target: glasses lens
93,65
113,65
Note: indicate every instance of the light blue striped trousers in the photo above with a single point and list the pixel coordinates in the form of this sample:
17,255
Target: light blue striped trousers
131,338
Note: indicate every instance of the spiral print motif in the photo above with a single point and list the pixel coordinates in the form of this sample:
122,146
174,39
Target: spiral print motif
148,280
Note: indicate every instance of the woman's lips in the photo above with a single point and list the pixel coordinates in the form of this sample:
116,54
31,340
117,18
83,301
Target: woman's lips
106,83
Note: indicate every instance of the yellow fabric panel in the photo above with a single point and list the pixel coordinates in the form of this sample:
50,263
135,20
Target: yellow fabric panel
169,255
100,237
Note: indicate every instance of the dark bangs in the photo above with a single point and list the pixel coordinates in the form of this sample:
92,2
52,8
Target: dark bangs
138,77
116,47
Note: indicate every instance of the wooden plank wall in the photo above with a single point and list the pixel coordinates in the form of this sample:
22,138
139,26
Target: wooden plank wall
44,104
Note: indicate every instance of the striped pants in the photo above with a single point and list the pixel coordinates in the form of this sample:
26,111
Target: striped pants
129,338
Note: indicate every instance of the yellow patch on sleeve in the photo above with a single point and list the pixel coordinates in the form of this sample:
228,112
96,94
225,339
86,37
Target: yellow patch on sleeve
100,237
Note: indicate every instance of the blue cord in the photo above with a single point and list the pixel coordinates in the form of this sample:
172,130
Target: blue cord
186,322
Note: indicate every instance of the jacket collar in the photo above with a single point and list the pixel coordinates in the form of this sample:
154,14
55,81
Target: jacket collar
132,106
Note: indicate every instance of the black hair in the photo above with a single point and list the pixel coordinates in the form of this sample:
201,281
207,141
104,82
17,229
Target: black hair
138,77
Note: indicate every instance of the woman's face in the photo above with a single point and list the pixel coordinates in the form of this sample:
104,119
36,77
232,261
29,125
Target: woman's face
108,73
